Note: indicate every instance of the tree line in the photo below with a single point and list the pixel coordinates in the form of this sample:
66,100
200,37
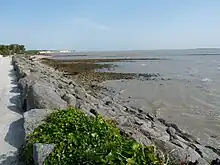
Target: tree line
12,49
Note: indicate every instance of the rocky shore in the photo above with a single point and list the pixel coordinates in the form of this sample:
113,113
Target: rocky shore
44,88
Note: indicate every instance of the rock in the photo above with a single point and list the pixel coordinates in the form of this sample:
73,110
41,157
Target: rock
80,94
207,153
171,131
140,110
159,126
216,150
202,162
37,93
11,158
149,132
177,154
138,121
70,99
188,137
174,126
92,99
184,155
165,137
71,82
141,116
108,102
71,86
94,112
42,95
28,80
24,84
178,143
34,118
60,86
79,103
162,121
61,92
150,116
140,138
72,91
34,70
132,111
215,162
170,125
165,146
121,119
41,152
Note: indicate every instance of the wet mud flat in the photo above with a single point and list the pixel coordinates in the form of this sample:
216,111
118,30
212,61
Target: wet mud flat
87,71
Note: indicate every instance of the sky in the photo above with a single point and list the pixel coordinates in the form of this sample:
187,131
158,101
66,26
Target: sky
92,25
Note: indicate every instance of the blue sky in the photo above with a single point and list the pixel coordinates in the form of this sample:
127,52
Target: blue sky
110,24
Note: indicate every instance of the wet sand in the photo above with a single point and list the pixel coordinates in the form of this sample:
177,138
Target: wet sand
182,102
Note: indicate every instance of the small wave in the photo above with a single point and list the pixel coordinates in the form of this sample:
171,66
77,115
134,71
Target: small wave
218,68
143,64
206,80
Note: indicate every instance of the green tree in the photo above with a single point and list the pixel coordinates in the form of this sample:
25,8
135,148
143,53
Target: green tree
12,49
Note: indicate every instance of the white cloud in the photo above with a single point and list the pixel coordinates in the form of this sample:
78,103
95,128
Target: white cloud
90,24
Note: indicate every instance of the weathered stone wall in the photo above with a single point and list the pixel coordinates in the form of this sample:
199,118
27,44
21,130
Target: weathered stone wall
44,89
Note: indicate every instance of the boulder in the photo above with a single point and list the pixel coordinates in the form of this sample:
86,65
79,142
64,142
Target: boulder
153,133
203,162
34,118
94,112
61,92
140,138
24,84
28,80
171,131
42,95
216,162
80,93
41,152
70,99
176,153
34,70
165,146
184,155
207,153
178,143
79,103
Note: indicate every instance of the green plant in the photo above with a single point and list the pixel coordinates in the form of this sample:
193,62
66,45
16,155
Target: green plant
11,49
82,140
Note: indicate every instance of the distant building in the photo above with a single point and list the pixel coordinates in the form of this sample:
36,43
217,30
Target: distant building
45,52
55,51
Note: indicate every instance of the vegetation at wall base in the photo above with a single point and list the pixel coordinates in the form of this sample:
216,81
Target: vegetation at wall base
81,139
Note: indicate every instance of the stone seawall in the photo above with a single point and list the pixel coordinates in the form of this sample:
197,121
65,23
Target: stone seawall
44,89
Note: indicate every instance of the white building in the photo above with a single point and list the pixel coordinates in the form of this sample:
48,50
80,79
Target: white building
55,51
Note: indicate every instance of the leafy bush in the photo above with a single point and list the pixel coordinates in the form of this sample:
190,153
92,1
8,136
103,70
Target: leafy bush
11,49
82,140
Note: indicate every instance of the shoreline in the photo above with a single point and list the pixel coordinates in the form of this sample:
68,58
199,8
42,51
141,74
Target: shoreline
143,127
